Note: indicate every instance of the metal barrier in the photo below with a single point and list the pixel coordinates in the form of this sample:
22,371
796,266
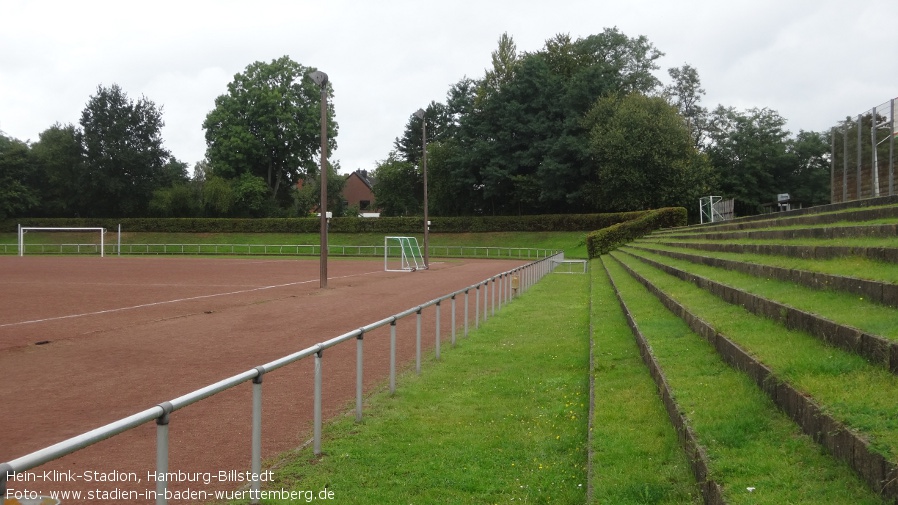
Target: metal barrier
274,250
505,286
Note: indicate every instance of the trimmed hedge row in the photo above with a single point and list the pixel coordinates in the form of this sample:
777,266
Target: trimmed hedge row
607,239
553,222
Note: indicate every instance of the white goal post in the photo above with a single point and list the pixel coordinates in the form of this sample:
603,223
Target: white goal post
402,254
24,229
565,266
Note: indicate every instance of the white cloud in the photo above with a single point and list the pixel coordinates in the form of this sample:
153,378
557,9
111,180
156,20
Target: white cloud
815,62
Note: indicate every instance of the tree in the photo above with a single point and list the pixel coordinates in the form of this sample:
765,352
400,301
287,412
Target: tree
685,93
59,159
16,194
643,154
504,59
809,182
438,120
522,143
750,153
123,150
397,187
268,126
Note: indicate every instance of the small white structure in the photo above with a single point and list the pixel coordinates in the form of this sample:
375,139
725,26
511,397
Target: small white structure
402,254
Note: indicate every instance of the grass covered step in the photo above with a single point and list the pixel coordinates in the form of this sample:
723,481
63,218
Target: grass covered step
858,397
755,453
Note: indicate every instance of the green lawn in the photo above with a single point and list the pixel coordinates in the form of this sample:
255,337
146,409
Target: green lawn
501,418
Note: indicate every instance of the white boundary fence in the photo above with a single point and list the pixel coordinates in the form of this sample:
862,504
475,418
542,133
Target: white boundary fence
274,250
505,286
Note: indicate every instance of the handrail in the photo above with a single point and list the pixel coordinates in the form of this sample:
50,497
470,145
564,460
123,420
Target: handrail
528,274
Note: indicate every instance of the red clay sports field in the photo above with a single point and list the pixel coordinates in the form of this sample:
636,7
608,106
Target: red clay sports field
85,341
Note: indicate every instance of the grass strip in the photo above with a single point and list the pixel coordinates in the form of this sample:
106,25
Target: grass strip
850,266
838,306
757,454
636,455
854,392
501,418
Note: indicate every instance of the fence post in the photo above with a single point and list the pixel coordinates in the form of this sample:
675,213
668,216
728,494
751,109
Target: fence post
477,309
418,344
453,320
359,353
486,300
438,330
466,312
493,298
317,422
256,463
393,357
162,452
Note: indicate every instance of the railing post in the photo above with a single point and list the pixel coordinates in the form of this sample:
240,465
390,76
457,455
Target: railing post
256,463
5,473
486,300
393,357
477,309
359,354
501,289
317,406
418,343
466,312
162,452
438,331
453,320
493,298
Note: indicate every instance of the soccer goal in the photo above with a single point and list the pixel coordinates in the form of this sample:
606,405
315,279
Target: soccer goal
402,254
569,266
77,248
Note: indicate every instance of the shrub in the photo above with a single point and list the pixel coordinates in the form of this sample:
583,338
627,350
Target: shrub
607,239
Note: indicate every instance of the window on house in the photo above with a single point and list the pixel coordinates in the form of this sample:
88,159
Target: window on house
364,204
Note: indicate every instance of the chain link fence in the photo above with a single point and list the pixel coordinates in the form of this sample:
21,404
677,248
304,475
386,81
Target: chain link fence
863,155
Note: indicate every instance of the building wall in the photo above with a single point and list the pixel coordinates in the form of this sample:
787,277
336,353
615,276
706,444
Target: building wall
357,192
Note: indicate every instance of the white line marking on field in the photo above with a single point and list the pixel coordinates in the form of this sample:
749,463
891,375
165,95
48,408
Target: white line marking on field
200,297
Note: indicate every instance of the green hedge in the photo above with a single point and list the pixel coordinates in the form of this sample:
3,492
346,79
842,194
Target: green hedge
553,222
607,239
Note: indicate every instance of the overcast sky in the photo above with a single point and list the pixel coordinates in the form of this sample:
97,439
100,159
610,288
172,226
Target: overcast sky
814,62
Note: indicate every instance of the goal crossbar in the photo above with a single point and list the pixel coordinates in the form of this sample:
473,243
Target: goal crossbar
23,229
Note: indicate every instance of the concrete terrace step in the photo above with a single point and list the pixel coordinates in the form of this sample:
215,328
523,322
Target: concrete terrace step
880,292
844,443
874,348
827,232
857,210
820,252
711,491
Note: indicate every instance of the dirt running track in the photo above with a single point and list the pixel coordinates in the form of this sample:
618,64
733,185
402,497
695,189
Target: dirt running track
124,334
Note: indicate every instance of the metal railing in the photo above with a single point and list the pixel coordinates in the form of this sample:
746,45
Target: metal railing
274,250
505,286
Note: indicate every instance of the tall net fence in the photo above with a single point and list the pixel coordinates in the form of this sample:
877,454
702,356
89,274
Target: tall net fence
863,155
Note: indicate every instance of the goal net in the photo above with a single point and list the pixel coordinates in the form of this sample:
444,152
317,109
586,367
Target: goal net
74,241
402,254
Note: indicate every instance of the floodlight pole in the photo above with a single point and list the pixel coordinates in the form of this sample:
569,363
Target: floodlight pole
320,79
420,114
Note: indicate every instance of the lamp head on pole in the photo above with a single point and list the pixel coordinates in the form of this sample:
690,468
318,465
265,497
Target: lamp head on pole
419,113
319,77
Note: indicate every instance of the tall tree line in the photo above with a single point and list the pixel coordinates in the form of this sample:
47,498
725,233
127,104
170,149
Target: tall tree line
262,157
583,125
580,125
